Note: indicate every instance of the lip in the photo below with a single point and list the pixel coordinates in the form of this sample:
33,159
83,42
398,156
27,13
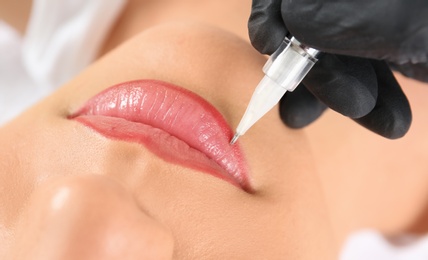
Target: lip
173,123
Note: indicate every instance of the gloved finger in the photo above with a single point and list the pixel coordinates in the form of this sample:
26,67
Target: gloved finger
389,30
300,108
265,26
347,85
417,71
391,117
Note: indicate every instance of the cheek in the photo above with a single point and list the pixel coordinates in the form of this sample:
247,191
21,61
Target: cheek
16,182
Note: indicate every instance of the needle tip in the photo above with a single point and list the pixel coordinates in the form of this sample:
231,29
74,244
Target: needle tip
235,137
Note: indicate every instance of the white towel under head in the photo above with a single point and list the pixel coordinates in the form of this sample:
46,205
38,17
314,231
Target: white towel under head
62,38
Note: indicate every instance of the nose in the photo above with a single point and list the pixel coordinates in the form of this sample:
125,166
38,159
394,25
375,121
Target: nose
88,217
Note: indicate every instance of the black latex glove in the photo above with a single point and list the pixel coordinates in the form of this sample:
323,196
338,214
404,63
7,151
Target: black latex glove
360,39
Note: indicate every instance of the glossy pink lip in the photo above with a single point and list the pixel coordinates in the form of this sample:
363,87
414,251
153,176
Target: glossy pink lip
174,123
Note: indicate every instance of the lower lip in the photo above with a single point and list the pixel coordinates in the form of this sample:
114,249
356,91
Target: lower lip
159,142
132,111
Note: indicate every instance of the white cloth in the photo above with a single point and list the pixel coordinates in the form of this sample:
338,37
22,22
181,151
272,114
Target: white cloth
371,245
62,38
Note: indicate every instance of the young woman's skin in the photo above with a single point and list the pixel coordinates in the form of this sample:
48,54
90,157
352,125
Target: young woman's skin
368,181
80,194
16,13
373,182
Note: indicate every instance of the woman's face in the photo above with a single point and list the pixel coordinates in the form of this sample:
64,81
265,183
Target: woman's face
71,190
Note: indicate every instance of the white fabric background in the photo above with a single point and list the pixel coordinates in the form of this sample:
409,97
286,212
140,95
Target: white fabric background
62,38
370,245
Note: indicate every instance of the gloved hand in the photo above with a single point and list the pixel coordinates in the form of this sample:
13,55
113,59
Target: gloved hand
360,39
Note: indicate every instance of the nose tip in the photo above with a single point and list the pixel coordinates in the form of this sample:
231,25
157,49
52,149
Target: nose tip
89,217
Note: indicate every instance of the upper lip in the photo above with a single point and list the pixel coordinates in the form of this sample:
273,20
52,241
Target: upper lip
177,111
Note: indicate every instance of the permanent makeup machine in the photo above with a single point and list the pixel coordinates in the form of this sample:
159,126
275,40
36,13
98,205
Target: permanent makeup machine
284,70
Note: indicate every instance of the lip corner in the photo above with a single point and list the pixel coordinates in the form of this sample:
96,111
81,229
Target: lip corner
179,112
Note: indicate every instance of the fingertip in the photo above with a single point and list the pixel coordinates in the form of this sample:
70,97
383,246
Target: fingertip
389,125
400,123
392,115
398,129
300,108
